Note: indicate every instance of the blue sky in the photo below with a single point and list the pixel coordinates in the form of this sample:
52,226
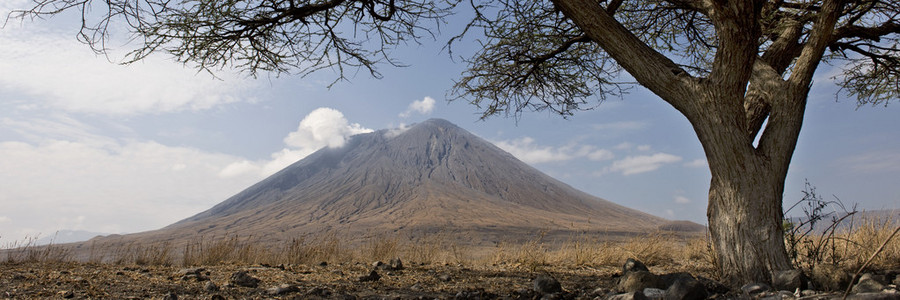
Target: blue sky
86,144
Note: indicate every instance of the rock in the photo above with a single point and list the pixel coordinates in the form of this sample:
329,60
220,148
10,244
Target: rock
373,276
377,264
241,278
189,271
654,293
323,264
667,280
629,296
636,281
396,264
789,280
444,278
170,296
756,290
67,294
217,297
686,288
282,289
829,277
781,295
632,265
211,287
868,284
874,296
545,284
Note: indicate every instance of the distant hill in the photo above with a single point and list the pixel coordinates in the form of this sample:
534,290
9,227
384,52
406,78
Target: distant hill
67,236
431,177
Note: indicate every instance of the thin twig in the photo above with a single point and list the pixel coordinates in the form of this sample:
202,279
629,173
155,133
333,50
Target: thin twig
856,276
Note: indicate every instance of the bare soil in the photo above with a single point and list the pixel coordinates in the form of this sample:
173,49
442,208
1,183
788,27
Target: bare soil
108,281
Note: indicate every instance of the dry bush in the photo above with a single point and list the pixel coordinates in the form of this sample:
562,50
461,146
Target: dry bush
380,248
26,251
159,254
428,249
311,251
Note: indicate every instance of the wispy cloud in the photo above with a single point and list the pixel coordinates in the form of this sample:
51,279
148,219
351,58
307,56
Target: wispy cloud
697,163
423,107
57,72
682,200
114,185
877,161
526,150
643,163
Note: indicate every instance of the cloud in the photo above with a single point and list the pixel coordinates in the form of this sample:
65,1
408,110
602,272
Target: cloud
643,163
394,132
108,187
526,150
682,200
323,127
878,161
424,107
697,163
54,71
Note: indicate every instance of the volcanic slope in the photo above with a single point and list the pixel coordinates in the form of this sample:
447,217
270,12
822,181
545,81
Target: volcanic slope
427,178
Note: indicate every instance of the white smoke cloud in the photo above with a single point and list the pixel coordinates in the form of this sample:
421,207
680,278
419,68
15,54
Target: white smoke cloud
323,127
424,107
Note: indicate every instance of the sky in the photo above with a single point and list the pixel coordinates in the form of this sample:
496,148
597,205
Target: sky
88,144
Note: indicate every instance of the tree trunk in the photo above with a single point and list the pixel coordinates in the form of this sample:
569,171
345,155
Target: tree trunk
745,222
745,195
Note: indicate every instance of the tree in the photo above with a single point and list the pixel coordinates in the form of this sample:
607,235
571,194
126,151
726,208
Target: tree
739,71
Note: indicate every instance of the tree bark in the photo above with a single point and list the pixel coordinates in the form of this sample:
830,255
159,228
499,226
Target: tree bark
746,190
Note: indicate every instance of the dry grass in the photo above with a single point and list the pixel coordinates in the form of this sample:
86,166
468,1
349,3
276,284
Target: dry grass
848,249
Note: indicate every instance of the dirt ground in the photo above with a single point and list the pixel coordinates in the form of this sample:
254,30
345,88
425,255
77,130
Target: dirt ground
348,281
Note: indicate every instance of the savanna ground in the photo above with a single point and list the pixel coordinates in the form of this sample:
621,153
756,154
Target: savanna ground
435,267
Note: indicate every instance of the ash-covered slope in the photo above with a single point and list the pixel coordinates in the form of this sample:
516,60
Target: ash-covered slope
433,176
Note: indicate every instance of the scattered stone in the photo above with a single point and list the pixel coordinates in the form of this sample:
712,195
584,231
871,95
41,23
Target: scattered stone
789,280
629,296
396,264
373,276
282,289
241,278
544,284
444,277
472,295
830,278
170,296
323,264
67,294
318,292
868,283
686,288
377,264
654,293
632,265
874,296
636,281
217,297
756,290
211,287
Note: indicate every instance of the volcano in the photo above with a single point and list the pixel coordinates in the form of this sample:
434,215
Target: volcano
427,178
